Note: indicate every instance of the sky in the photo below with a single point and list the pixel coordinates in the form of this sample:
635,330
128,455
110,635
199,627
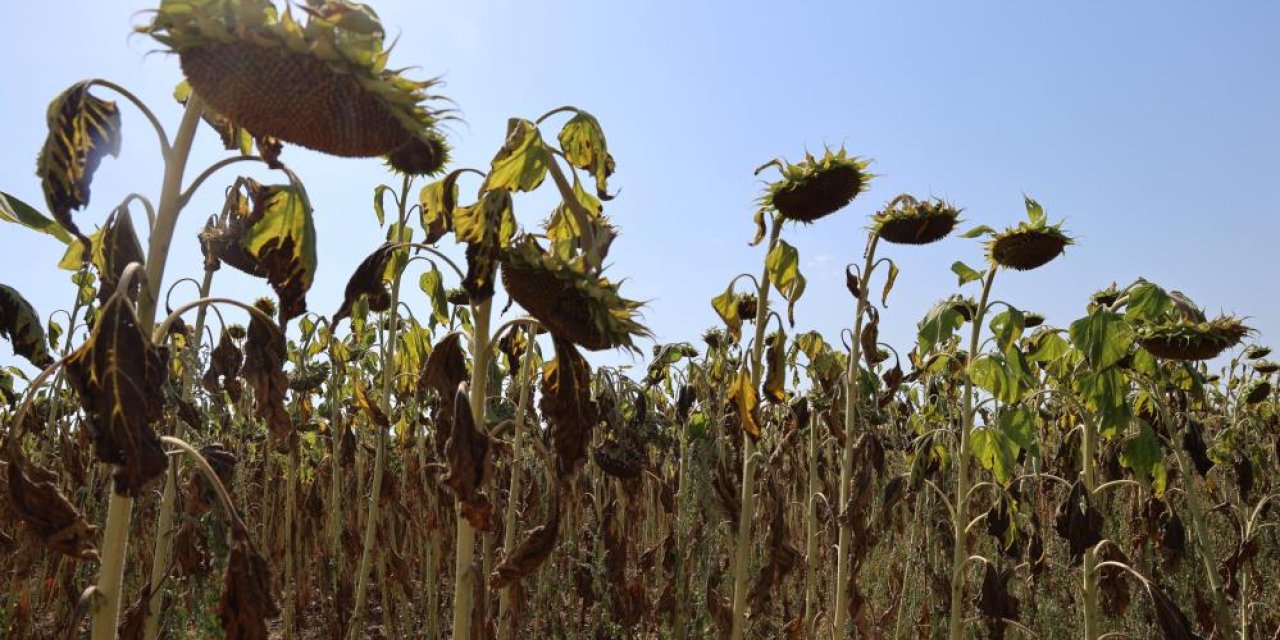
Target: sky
1150,127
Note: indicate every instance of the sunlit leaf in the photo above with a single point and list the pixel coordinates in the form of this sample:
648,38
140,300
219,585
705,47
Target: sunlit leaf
1103,336
966,273
582,141
18,212
783,265
742,395
82,128
775,373
521,164
432,283
1143,454
726,306
888,284
939,324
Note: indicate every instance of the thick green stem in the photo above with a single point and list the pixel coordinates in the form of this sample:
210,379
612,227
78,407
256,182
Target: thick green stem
959,516
851,405
390,337
464,554
164,519
742,552
507,627
115,538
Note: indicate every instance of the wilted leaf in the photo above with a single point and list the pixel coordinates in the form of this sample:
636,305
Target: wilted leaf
726,306
368,281
370,409
52,518
467,453
1172,623
265,352
530,553
446,366
567,405
521,164
119,375
246,602
582,141
82,128
776,371
995,603
783,265
119,246
742,396
18,212
20,323
1078,522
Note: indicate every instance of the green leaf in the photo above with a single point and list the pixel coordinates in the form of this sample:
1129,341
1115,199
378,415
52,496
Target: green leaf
888,284
1048,346
1106,395
19,212
1142,453
981,230
521,164
1019,425
1007,327
993,374
1147,303
378,194
20,323
82,128
994,451
432,284
1103,336
965,273
783,266
438,200
1035,212
939,324
283,242
582,141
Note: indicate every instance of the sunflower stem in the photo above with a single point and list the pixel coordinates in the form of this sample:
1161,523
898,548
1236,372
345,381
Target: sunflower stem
507,627
464,554
115,543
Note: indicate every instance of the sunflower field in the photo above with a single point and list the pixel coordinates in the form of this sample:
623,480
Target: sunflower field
444,460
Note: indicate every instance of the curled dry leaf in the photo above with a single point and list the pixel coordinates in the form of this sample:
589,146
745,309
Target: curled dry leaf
1172,623
21,324
119,247
368,281
119,375
995,603
246,602
467,452
1078,522
34,497
224,368
265,353
568,407
745,404
532,552
82,128
446,366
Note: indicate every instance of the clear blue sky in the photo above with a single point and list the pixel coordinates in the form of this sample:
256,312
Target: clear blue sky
1151,127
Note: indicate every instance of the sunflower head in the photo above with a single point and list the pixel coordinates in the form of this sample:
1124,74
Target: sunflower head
1183,339
424,155
816,187
1031,244
1256,391
559,290
321,83
1257,352
910,221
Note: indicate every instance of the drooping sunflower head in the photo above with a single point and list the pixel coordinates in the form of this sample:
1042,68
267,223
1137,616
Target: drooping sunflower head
322,84
1184,339
909,221
1031,244
424,155
570,301
816,187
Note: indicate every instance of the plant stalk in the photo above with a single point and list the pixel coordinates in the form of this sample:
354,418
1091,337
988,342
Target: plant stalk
507,627
464,554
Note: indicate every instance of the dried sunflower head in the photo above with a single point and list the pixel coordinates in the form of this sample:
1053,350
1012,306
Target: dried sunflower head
1266,367
1256,391
1029,245
1257,352
910,221
557,288
322,84
816,187
1181,339
424,155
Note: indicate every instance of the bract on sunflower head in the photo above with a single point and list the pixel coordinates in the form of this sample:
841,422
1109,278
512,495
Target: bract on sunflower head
1031,244
558,289
909,221
816,187
322,84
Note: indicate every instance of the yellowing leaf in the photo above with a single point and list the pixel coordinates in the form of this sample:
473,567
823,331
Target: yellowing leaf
283,242
582,141
521,164
783,265
743,397
81,129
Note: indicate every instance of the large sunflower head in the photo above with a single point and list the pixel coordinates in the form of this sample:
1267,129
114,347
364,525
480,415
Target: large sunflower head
816,187
1188,339
910,221
570,301
1031,244
322,83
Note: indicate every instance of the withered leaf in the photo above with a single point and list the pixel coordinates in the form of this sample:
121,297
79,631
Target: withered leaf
775,378
1078,522
567,405
467,452
532,552
21,324
1113,583
446,366
1172,623
82,128
368,281
119,375
48,513
224,367
742,395
120,246
370,409
995,603
246,602
264,359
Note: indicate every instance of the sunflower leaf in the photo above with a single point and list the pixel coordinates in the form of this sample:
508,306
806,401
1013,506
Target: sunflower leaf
521,164
20,323
82,128
18,212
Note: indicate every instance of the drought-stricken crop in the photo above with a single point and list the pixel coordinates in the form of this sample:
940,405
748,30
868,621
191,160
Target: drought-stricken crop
421,463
